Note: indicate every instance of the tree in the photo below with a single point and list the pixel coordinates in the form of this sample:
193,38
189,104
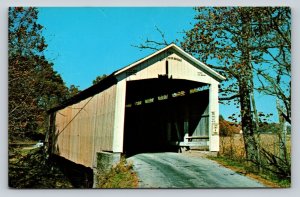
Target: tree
73,90
232,37
275,76
242,40
228,128
99,78
33,85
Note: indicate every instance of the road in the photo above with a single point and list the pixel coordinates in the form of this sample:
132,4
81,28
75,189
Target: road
174,170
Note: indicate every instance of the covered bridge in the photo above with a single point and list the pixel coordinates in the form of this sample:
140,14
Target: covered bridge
164,101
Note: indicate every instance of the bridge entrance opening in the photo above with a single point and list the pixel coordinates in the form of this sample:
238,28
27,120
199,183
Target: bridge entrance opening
165,114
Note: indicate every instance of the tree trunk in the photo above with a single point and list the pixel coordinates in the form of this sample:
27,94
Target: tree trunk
282,134
245,90
247,123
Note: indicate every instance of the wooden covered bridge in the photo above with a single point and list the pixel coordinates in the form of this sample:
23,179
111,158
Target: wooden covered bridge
164,101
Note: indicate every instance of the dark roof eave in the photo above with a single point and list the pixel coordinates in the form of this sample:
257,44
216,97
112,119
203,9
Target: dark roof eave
91,91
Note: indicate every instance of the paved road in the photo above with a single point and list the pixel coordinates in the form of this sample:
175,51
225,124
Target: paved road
173,170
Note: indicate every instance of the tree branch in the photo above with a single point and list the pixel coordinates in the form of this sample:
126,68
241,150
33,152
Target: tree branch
229,98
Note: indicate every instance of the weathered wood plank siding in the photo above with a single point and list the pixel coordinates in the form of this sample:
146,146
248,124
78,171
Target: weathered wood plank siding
178,67
203,125
85,128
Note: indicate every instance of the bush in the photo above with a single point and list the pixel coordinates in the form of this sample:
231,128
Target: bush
119,176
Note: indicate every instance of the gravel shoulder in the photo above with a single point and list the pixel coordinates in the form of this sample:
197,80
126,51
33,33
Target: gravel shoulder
174,170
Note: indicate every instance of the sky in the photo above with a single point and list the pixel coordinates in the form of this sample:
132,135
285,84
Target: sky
86,42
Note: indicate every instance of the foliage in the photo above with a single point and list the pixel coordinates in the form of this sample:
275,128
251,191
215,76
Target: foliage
228,128
269,128
120,176
73,90
246,42
222,35
33,85
99,78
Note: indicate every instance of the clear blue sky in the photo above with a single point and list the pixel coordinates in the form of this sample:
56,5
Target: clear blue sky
86,42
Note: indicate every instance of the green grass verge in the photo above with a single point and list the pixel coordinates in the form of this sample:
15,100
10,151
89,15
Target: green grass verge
245,168
120,176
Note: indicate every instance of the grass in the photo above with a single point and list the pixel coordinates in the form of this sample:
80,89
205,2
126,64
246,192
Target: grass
245,168
233,146
28,169
119,176
232,155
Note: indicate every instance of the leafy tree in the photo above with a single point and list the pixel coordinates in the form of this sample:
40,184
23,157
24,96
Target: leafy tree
99,78
73,90
33,85
242,40
269,127
228,128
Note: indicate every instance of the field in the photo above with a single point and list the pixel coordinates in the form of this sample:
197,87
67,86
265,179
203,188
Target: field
275,162
233,146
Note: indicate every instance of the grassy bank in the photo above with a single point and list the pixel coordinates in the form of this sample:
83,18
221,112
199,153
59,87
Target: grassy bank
275,171
28,169
245,168
119,176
